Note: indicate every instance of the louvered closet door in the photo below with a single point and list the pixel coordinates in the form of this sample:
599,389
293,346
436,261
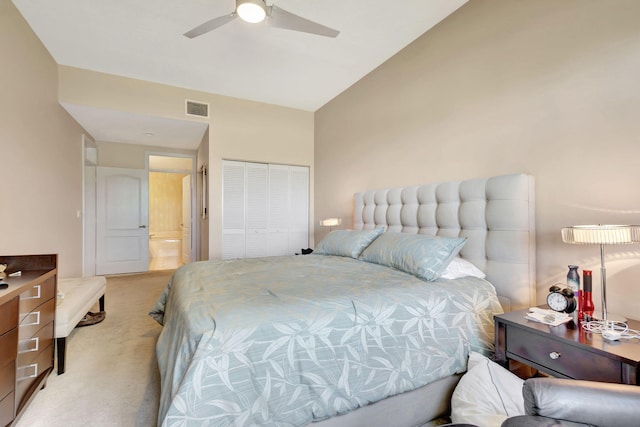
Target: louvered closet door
299,208
265,209
256,212
278,238
233,207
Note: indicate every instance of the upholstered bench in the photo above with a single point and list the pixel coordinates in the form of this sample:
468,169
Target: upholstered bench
76,297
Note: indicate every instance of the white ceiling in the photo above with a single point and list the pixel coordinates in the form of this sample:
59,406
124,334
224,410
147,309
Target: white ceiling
143,39
132,128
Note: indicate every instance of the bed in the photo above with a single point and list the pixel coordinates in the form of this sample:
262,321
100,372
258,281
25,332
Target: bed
367,330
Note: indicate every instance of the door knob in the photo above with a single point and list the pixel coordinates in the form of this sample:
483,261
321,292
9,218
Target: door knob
142,226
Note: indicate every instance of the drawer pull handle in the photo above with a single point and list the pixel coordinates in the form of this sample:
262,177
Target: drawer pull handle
37,295
36,321
554,355
25,346
25,372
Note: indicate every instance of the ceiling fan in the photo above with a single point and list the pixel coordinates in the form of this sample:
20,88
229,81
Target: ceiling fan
255,11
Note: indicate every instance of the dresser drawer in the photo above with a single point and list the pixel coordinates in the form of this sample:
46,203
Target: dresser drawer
29,373
562,358
7,379
8,347
6,410
9,315
40,316
35,295
29,348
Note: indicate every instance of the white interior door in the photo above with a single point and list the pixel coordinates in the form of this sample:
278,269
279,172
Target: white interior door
186,219
122,216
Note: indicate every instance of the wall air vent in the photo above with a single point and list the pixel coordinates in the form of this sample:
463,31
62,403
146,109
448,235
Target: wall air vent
198,109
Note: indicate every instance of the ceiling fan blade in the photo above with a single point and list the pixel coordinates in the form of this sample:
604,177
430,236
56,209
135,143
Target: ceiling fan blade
210,25
280,18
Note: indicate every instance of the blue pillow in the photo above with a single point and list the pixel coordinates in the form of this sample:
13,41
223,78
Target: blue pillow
423,256
348,243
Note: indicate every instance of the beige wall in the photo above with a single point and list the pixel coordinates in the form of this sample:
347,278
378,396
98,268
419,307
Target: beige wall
131,156
40,152
545,87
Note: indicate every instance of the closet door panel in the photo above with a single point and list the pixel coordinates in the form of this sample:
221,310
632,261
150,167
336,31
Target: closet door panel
257,210
278,237
299,208
233,209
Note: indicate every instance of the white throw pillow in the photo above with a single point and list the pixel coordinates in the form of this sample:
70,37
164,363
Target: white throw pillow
459,267
487,394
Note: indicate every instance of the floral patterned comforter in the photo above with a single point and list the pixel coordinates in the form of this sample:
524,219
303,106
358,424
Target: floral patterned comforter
285,341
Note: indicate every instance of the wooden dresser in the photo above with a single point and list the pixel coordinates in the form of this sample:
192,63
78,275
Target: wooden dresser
27,313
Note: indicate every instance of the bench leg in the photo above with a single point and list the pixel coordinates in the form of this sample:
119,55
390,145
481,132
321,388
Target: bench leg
61,344
102,303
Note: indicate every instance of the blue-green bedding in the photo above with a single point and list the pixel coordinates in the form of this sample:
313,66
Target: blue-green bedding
285,341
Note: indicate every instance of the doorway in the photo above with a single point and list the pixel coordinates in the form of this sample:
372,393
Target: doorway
170,210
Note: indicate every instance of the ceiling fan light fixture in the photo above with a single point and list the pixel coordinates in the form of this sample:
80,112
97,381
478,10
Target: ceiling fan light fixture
252,11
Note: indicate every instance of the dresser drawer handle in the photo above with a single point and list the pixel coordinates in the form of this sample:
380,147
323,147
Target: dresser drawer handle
26,347
35,321
554,355
37,288
25,369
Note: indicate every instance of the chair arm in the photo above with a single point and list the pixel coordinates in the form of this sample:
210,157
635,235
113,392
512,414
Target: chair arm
538,421
588,402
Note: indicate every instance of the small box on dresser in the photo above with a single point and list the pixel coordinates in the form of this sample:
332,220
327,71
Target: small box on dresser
27,313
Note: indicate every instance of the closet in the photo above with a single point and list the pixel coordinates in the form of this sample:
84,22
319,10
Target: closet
265,209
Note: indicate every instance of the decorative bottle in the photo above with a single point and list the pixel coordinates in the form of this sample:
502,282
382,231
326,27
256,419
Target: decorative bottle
586,301
573,283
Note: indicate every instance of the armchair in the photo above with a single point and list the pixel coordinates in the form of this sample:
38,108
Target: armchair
559,402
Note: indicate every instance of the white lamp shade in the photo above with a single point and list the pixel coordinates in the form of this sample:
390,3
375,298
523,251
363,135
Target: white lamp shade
331,222
252,11
601,234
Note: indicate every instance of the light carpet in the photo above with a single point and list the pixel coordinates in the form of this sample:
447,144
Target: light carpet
111,376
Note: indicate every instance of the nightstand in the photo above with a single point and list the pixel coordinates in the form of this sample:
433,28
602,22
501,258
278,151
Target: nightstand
566,351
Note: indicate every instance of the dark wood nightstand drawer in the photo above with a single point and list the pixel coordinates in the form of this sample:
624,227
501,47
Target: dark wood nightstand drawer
569,360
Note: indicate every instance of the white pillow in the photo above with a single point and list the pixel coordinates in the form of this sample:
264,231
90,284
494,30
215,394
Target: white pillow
459,267
487,394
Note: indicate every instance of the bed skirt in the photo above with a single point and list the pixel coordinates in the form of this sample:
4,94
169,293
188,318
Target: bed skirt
414,408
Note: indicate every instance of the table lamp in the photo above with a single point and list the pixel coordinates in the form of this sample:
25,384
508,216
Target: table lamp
602,235
331,222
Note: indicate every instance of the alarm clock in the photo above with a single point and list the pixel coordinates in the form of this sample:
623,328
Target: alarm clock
561,300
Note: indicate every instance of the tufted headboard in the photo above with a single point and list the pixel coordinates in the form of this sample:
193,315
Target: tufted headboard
496,214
